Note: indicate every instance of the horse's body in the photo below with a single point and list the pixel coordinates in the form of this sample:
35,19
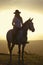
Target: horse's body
21,37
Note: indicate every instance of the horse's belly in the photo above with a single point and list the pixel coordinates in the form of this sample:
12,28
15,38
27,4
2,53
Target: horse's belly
21,37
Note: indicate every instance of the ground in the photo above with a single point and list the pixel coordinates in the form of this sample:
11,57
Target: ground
29,59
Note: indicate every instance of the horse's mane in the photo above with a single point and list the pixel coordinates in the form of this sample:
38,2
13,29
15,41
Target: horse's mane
25,23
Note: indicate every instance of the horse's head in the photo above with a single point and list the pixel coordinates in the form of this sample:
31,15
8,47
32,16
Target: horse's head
30,24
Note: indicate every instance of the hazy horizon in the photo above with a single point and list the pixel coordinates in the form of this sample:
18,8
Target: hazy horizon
34,47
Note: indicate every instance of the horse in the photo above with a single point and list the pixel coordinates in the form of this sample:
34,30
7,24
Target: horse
20,39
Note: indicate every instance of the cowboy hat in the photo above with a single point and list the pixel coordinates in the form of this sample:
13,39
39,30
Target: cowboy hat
17,11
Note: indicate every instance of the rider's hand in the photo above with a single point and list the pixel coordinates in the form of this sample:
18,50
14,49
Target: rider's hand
13,24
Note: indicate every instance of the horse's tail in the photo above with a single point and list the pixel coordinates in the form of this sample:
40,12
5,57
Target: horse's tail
9,36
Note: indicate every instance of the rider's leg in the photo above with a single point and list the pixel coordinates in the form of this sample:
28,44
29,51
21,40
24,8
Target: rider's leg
15,31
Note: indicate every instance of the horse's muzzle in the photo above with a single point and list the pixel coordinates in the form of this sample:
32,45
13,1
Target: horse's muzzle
33,30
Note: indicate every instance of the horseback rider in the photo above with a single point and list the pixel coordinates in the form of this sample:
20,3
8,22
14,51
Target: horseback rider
17,22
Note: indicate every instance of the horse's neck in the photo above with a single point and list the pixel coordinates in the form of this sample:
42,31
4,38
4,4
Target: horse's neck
25,26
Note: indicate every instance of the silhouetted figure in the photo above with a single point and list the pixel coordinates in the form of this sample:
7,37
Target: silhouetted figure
17,22
21,38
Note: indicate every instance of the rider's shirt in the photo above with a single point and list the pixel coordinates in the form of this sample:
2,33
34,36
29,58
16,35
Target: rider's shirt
17,22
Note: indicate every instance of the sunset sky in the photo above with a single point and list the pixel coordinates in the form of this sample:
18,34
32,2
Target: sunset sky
28,8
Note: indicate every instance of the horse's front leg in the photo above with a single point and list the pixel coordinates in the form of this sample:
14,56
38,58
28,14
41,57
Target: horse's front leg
23,46
19,54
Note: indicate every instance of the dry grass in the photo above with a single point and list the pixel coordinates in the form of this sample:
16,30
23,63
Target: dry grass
29,59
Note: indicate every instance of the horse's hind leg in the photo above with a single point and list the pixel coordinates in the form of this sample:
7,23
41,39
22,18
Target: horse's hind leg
9,46
19,54
12,46
10,51
10,57
23,46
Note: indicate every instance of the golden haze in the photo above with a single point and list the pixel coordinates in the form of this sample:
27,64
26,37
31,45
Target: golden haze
6,17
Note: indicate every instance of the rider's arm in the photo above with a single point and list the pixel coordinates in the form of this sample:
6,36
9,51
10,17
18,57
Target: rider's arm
13,22
22,21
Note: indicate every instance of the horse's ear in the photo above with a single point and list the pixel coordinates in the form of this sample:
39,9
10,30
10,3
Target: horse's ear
32,19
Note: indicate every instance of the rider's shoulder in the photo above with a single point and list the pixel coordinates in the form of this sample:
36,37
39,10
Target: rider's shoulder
20,17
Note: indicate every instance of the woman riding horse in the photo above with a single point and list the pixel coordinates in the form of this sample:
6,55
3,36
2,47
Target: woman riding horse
17,22
21,38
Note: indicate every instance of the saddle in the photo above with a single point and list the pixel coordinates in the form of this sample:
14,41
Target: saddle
15,33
